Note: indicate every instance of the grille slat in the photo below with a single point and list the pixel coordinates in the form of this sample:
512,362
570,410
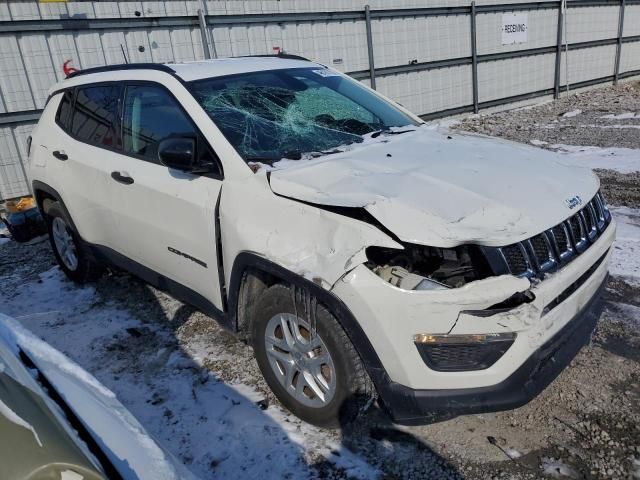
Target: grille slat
541,249
572,236
576,229
560,235
516,259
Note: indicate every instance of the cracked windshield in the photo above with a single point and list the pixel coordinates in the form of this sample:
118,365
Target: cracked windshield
268,116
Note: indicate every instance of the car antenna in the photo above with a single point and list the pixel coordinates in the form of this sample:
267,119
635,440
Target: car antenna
124,54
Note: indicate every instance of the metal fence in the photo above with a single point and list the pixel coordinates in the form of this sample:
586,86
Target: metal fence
436,57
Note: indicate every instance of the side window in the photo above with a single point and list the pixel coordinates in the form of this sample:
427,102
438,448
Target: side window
64,110
151,114
95,115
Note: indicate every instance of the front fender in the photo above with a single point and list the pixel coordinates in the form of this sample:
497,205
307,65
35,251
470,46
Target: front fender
316,244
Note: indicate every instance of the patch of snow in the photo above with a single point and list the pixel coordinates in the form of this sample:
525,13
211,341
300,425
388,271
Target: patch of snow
557,469
5,236
625,260
617,126
538,143
572,113
13,417
13,333
629,314
512,453
623,160
446,123
214,426
622,116
635,465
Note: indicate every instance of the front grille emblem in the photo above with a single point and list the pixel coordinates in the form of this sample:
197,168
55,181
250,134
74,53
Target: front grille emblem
573,202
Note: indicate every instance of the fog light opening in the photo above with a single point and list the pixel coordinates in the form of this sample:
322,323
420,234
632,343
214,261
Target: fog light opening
457,353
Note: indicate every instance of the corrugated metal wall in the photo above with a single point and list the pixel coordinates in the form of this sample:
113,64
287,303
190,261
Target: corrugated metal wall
423,57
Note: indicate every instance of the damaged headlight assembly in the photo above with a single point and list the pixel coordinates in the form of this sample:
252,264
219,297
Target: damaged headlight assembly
419,267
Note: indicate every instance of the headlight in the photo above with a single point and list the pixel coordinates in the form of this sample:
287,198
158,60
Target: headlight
419,267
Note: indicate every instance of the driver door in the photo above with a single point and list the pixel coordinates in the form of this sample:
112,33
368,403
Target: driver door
165,218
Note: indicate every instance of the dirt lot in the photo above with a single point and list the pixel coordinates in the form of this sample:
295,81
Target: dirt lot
180,373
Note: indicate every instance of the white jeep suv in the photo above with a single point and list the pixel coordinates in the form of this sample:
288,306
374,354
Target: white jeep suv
362,253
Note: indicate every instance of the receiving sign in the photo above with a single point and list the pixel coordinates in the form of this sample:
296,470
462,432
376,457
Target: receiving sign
514,28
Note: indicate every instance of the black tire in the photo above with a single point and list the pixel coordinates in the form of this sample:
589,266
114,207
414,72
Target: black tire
353,389
88,269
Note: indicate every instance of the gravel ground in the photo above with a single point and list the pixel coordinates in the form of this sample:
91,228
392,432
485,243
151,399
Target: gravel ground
604,117
585,425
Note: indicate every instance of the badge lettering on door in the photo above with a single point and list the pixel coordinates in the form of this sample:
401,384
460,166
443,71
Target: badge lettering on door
187,256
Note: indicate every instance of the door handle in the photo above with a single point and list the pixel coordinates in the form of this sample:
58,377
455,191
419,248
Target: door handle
119,177
60,155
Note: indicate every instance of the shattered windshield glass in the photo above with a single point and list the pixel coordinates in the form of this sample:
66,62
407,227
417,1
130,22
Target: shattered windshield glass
287,113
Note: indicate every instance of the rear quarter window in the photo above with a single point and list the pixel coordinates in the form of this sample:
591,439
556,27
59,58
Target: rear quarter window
64,110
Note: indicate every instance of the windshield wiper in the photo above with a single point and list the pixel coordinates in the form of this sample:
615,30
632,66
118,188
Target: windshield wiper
387,131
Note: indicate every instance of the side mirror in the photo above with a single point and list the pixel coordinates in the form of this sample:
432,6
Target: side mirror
178,153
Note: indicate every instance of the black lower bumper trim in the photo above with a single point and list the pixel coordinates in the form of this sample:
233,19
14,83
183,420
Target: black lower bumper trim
415,407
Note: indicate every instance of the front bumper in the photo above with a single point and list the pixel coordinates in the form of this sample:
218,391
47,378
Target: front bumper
390,317
412,407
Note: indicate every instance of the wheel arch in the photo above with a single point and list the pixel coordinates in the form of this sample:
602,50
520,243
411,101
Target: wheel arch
252,274
44,194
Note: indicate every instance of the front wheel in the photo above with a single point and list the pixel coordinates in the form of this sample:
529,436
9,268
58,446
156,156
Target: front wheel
307,359
71,253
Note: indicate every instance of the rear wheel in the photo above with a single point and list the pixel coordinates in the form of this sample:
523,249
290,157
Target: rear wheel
72,254
307,358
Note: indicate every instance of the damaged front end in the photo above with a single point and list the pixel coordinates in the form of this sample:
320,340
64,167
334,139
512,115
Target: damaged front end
423,268
419,267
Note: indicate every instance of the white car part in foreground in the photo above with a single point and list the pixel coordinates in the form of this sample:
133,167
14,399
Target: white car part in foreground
129,448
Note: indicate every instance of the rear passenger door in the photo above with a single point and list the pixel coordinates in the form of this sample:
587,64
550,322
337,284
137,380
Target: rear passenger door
165,218
81,154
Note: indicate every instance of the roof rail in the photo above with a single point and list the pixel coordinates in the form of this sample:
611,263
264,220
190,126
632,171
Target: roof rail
124,66
287,56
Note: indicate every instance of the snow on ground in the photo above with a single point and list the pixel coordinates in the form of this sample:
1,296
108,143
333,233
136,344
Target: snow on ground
623,160
557,469
572,113
621,116
625,261
4,233
214,427
617,125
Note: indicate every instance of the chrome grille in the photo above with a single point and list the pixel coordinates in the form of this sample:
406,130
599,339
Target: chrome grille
540,248
516,259
561,236
560,244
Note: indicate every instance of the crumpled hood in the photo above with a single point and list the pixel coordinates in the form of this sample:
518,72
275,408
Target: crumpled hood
444,189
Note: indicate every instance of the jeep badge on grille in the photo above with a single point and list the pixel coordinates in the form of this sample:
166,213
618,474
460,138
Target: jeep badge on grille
573,202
